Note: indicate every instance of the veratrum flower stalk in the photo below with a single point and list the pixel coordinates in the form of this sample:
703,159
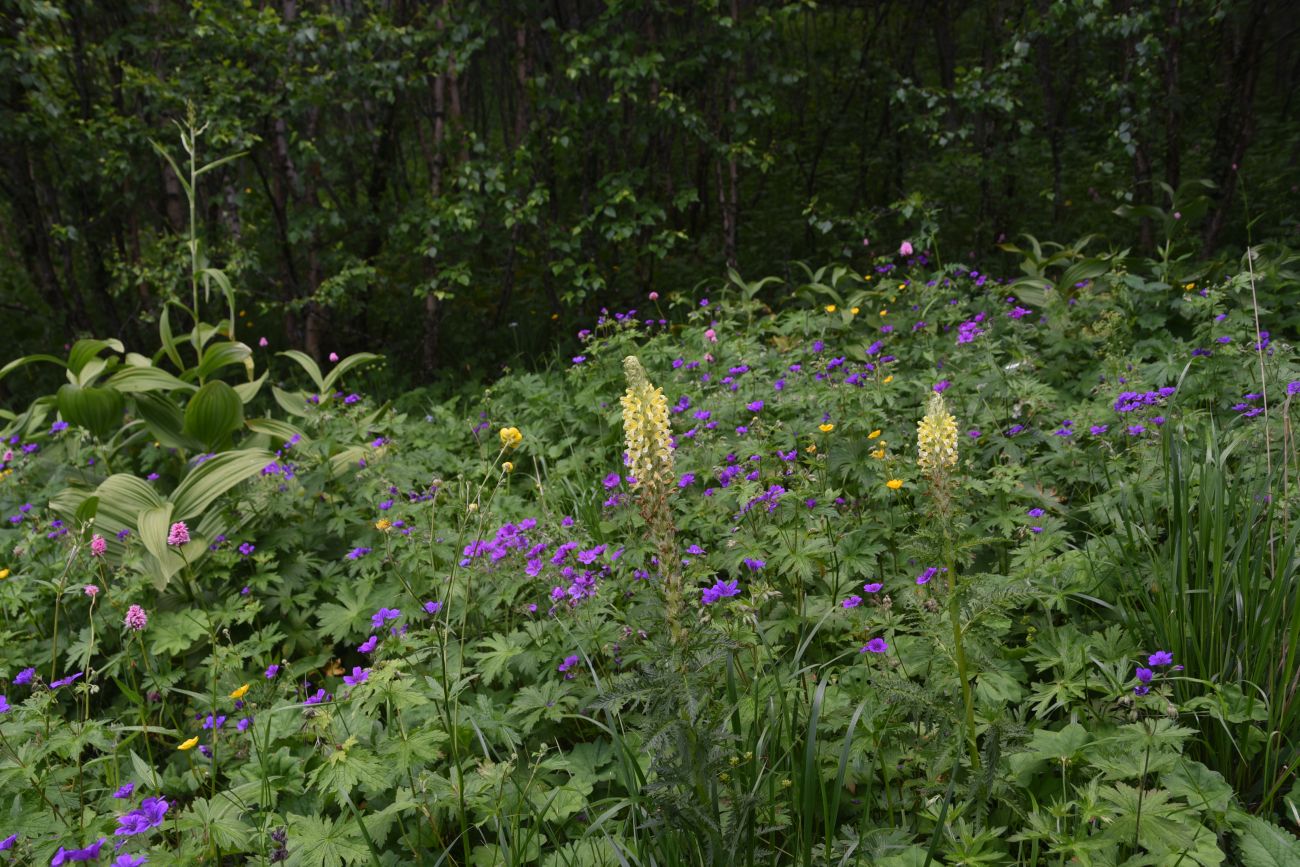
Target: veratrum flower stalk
936,437
650,460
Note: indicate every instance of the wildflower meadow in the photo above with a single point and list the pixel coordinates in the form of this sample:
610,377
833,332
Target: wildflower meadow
649,434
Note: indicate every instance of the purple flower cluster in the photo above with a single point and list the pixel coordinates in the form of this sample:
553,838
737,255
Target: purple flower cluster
1131,401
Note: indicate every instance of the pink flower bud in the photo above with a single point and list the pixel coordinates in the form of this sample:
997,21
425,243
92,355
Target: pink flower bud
334,356
711,336
262,341
905,249
654,296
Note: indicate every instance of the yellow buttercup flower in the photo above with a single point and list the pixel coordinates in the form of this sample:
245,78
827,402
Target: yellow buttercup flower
936,437
383,524
825,428
190,744
894,484
884,312
812,447
240,692
875,433
879,453
511,437
853,310
830,308
888,379
507,467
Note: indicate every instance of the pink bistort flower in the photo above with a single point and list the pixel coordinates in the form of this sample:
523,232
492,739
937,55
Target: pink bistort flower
179,534
136,619
91,590
97,545
905,248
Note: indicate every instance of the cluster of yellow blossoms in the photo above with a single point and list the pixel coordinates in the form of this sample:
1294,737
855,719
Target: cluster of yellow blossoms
645,426
936,437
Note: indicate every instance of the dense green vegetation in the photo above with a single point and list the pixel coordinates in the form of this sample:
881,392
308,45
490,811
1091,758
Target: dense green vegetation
404,460
458,181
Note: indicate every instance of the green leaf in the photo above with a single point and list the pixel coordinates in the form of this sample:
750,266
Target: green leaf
145,773
215,477
280,430
131,380
167,338
154,526
317,841
97,409
1263,844
1059,746
29,359
218,820
344,366
494,655
220,355
213,414
291,402
164,420
84,350
175,632
306,363
248,390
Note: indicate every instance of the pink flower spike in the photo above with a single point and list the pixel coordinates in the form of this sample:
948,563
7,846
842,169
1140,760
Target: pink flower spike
905,248
179,534
136,619
91,590
97,545
654,296
334,356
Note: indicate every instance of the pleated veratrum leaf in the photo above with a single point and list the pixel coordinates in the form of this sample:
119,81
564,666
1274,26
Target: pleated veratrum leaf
344,366
95,408
220,355
164,420
214,477
135,379
307,364
154,524
213,414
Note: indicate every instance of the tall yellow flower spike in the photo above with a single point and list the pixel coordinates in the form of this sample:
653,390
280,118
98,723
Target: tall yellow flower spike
936,437
645,427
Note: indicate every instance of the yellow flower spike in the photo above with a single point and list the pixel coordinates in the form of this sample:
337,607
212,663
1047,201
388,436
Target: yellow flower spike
507,467
383,524
830,308
936,437
511,437
894,484
826,428
647,433
190,744
239,693
875,433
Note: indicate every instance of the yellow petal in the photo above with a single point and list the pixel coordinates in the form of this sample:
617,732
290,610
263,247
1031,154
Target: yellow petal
875,433
190,744
240,692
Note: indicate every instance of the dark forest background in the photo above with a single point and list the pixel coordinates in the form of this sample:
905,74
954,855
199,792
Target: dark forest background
454,182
